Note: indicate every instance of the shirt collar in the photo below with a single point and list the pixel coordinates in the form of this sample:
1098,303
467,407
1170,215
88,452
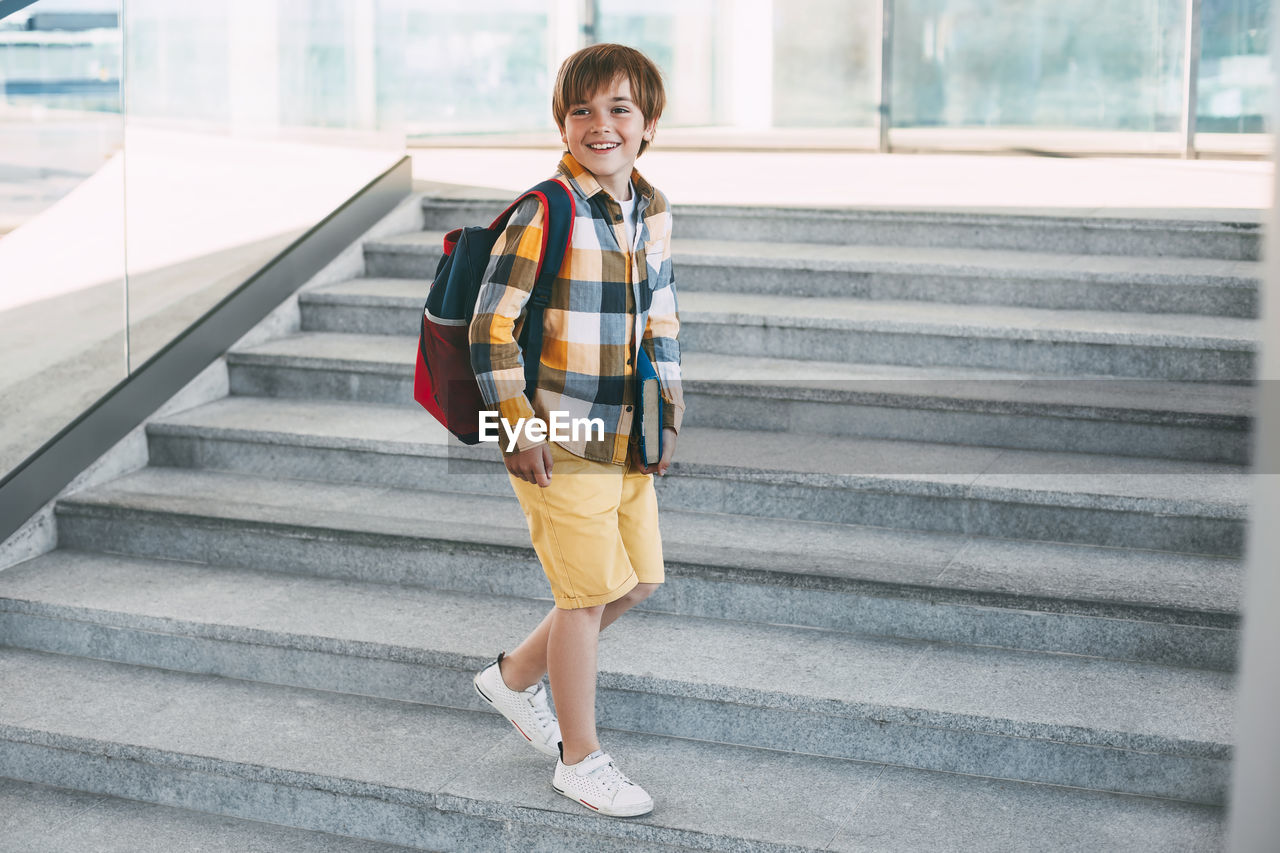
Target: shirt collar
586,184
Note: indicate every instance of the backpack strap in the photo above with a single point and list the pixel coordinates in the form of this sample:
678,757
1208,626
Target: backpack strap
557,235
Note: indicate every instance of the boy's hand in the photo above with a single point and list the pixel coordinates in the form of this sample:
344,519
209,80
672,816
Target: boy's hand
668,450
532,465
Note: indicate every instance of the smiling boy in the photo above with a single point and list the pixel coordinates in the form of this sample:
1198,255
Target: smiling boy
594,524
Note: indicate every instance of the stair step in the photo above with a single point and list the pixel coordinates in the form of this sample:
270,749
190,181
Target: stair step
370,306
338,763
1029,340
1157,346
901,315
1181,420
1124,417
1118,603
1174,505
62,820
943,274
887,630
1057,719
1100,233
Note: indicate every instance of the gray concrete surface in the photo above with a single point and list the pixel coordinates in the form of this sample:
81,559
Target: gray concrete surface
857,578
1231,234
981,690
979,406
274,740
955,274
959,549
42,818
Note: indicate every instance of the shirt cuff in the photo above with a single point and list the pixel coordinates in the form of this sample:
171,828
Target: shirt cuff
672,415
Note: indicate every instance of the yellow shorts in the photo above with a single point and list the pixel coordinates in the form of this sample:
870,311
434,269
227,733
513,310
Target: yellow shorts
595,529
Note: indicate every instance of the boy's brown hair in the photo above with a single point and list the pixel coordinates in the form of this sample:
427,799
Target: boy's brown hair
592,68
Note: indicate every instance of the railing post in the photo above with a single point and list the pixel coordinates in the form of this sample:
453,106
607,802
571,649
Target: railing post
884,114
590,22
1190,79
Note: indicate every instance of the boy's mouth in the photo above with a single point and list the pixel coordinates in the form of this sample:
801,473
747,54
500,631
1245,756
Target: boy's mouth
603,146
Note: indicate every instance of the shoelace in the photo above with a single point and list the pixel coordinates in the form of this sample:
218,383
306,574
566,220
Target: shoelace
610,777
538,701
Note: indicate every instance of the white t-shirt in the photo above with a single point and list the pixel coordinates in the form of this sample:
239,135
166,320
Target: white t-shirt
629,216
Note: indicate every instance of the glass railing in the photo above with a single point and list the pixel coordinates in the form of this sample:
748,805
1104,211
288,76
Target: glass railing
1083,76
247,123
153,156
62,210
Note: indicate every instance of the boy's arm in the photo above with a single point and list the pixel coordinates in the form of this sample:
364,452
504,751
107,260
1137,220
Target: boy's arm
507,285
660,343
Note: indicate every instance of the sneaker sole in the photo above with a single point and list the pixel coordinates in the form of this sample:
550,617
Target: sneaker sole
550,753
634,811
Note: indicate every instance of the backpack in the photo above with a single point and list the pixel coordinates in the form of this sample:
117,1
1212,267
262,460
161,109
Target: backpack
443,380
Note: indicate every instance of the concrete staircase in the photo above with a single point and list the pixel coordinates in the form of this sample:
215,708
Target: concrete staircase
953,545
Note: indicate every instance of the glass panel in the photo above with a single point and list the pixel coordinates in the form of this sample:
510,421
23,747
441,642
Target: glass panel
1235,66
681,37
1038,63
826,58
490,70
62,330
468,70
248,122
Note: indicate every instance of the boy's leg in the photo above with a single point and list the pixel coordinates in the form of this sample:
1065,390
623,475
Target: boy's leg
571,658
576,526
581,494
524,666
585,773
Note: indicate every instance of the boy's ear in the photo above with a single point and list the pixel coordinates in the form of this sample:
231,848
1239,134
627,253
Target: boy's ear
649,129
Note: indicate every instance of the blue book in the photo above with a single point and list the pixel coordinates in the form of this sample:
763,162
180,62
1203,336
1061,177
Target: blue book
649,407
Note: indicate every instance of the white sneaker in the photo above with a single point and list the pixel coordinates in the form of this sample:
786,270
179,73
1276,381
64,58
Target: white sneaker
527,710
601,787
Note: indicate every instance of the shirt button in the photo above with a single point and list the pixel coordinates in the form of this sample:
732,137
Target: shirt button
617,217
631,360
628,408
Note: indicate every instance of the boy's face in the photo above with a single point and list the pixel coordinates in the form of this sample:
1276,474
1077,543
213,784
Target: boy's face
604,134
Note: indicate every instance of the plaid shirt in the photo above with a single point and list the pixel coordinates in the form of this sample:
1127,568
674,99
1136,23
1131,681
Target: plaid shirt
603,300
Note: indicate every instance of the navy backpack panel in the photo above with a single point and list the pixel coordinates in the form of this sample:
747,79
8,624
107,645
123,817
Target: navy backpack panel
443,381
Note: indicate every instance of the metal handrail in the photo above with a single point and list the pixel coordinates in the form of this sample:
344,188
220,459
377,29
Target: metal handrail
8,7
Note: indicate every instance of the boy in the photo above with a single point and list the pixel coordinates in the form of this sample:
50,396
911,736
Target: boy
594,519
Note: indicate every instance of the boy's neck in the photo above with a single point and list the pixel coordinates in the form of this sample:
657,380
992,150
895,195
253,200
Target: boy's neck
619,193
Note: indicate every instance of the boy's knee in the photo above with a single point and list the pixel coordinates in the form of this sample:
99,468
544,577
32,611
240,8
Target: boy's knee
641,592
